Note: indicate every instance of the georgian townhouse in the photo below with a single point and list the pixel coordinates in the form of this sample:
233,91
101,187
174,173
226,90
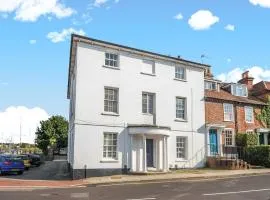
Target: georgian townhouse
133,110
230,109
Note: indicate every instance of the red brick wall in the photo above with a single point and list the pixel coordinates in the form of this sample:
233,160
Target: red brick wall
215,115
242,125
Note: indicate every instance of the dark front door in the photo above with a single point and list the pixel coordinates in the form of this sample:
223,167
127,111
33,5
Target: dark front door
213,141
149,152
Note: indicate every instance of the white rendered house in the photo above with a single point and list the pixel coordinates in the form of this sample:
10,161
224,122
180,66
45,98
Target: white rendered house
132,110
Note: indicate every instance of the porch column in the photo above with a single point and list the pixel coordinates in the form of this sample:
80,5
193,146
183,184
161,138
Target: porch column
164,153
131,152
265,135
144,155
158,154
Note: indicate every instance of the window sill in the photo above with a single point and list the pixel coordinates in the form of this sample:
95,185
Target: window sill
181,160
229,121
178,79
249,122
148,74
110,114
110,67
109,161
148,114
180,120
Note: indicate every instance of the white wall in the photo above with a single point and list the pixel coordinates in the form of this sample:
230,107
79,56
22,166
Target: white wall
91,79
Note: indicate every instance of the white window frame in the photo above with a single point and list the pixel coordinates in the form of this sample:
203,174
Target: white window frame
111,59
185,108
111,100
148,95
226,113
246,114
106,147
232,139
179,147
235,88
210,83
177,73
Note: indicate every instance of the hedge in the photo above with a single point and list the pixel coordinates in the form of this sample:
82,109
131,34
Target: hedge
258,155
244,140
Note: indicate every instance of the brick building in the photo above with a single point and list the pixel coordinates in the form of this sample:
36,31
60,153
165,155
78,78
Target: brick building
230,109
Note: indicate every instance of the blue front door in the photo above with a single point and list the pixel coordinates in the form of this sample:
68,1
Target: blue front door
213,141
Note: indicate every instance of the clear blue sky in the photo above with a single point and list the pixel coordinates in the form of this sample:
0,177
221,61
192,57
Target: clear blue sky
36,74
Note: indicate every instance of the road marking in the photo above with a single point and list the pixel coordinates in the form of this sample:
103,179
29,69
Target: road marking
45,195
238,192
143,199
79,195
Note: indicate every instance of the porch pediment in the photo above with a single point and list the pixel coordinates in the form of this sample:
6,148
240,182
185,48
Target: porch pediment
215,126
149,129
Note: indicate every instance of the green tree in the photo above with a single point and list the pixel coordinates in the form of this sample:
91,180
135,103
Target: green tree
52,132
264,116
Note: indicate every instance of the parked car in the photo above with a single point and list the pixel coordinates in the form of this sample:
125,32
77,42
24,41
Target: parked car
10,164
34,160
63,151
26,161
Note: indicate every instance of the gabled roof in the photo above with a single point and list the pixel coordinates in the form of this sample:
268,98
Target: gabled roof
267,85
227,96
78,38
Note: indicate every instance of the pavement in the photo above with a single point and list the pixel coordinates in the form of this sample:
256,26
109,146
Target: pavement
176,175
254,187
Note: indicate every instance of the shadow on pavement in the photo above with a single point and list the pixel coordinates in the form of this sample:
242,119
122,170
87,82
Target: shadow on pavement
50,170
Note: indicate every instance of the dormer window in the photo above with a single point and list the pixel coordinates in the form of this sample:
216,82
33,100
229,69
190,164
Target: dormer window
239,90
210,85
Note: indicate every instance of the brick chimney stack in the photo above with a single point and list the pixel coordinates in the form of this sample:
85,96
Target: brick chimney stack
246,79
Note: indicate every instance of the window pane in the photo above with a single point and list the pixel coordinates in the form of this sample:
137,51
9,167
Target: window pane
181,147
180,108
111,100
110,145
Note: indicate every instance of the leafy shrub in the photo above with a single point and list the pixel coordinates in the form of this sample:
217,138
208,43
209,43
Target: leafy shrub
258,155
244,140
241,139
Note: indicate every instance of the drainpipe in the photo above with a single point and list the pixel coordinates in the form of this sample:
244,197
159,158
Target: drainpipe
235,118
192,126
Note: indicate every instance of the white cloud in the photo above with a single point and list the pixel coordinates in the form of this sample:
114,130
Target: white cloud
230,27
99,3
202,20
179,16
262,3
32,41
31,10
258,73
84,19
56,37
12,117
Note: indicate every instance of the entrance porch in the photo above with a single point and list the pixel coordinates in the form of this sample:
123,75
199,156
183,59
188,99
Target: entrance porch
148,149
214,139
263,136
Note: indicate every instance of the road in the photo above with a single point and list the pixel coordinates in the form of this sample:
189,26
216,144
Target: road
241,188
